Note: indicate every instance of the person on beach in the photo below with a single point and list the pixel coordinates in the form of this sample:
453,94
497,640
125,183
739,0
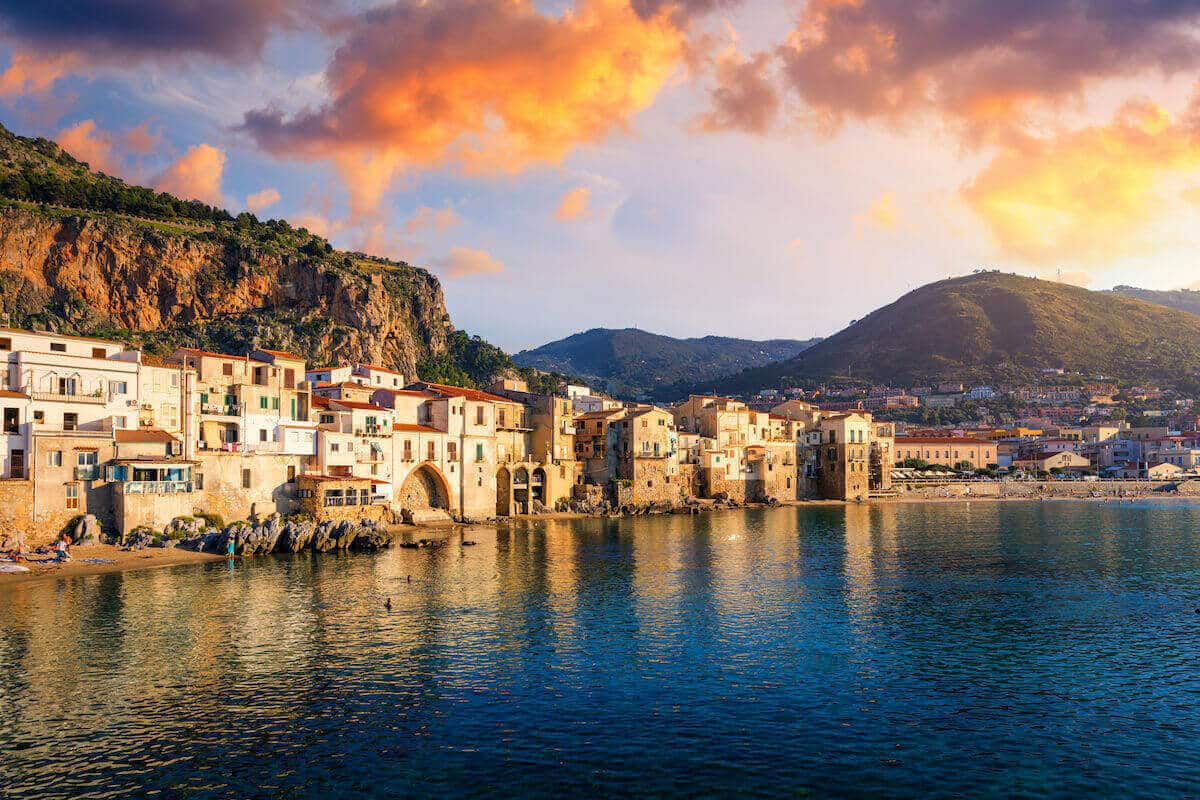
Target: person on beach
18,555
62,549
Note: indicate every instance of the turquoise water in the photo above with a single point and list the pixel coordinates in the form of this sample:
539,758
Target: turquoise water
982,649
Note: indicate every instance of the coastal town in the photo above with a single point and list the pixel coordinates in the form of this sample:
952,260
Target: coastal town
92,429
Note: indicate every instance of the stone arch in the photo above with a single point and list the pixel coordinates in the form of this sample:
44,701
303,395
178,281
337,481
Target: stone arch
537,486
425,487
520,504
503,493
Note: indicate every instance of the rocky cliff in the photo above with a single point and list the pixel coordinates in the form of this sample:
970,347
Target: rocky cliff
225,286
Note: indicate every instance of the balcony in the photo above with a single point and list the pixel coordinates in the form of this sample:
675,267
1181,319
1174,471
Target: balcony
157,487
59,397
87,473
222,409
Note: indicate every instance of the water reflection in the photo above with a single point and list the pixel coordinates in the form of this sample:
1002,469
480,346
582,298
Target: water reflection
998,648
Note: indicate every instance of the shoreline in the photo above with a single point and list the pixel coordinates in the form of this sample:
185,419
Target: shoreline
44,568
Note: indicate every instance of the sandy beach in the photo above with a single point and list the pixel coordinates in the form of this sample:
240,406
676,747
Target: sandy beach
45,567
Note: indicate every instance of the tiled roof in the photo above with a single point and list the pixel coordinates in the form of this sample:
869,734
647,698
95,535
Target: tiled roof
10,393
939,440
209,354
281,354
149,436
410,428
377,368
460,391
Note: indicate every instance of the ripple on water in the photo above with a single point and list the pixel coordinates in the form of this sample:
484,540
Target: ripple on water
945,650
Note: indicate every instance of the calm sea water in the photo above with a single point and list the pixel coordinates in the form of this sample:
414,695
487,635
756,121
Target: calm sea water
982,649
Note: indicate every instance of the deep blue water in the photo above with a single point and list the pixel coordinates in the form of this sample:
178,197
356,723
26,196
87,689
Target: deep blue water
982,649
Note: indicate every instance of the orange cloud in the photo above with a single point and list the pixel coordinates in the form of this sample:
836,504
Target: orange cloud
465,261
488,85
28,73
1085,196
574,205
261,200
983,64
86,143
142,141
434,219
195,175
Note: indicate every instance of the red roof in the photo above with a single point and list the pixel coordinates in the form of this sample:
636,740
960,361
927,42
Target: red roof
939,440
408,427
320,402
377,368
281,354
405,392
149,436
209,354
460,391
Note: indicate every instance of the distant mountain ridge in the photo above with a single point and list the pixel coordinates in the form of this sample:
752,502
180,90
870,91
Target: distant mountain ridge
1179,299
991,327
632,362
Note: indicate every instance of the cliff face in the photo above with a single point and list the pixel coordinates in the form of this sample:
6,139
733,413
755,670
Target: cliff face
158,285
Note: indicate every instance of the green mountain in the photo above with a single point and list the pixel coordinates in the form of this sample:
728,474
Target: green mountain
86,253
632,362
1179,299
994,327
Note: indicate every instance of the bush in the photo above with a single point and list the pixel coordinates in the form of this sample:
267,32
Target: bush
212,520
299,516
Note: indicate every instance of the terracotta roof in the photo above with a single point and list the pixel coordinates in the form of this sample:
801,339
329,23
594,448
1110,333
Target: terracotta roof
209,354
10,393
148,436
59,335
377,368
345,385
281,354
155,361
320,402
408,427
405,392
939,440
460,391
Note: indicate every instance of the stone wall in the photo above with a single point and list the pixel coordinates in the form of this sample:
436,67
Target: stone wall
153,510
269,492
653,483
16,515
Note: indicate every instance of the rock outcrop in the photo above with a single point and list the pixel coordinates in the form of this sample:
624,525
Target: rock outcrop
220,288
276,535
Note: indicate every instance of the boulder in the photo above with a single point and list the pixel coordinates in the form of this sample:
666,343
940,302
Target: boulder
427,516
87,531
295,536
371,538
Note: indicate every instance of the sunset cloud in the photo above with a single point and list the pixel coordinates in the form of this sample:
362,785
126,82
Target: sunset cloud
1086,196
978,61
487,85
28,73
86,143
195,175
574,205
744,97
262,200
463,262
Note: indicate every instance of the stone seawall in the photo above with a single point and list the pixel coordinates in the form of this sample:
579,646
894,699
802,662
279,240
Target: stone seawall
1035,489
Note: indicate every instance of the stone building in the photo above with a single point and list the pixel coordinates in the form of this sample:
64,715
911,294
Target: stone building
843,456
647,455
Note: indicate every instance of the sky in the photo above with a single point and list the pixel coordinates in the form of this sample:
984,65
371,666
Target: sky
731,167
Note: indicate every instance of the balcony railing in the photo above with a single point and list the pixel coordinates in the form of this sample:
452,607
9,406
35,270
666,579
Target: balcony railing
59,397
222,409
157,487
89,473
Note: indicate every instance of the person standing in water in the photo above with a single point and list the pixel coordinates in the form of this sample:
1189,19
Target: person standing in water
229,548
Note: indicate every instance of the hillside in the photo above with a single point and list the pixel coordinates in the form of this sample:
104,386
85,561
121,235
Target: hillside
85,253
632,362
995,327
1180,299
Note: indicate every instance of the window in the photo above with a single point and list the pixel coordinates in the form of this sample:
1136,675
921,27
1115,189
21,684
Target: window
479,415
54,458
198,479
99,352
86,458
120,422
262,402
479,453
262,435
58,347
6,343
174,380
500,417
66,386
16,467
289,378
70,421
408,450
291,474
274,403
335,447
431,451
72,496
118,387
245,479
227,370
452,451
12,420
39,416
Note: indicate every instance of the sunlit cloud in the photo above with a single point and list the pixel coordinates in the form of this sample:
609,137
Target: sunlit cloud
491,86
262,200
744,97
195,175
33,74
463,262
574,204
1086,196
982,63
86,143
